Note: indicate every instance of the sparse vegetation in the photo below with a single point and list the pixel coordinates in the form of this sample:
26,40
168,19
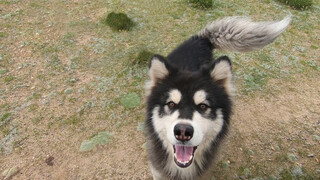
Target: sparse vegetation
3,71
119,21
72,120
202,3
8,79
130,100
255,80
36,120
65,77
298,4
4,117
143,57
101,138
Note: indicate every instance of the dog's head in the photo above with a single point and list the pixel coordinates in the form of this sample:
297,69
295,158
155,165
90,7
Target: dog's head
188,110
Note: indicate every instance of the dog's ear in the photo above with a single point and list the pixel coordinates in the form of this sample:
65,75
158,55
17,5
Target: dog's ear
158,70
221,73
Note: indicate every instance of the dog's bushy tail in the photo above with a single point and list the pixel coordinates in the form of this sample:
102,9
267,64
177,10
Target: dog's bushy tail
241,34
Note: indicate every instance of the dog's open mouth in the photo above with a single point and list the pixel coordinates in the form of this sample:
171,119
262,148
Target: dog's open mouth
183,155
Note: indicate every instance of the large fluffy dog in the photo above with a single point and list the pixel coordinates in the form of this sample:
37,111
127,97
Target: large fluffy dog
189,96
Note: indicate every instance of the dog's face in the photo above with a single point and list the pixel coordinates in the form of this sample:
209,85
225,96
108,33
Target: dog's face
188,109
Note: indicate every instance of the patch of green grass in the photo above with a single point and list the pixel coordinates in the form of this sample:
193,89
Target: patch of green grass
54,63
296,173
130,100
50,124
35,5
68,91
8,79
142,58
33,107
5,130
3,71
264,57
72,100
72,120
311,64
34,95
7,2
3,34
224,164
5,117
101,138
201,3
254,80
41,77
36,120
286,175
118,22
49,49
302,152
68,39
5,60
298,4
244,171
5,106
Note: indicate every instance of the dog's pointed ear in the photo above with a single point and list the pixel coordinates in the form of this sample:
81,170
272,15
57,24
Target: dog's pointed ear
158,70
221,73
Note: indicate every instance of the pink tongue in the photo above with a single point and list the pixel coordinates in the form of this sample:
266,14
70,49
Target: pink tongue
183,153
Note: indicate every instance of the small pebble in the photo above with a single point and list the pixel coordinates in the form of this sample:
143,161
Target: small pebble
49,161
311,155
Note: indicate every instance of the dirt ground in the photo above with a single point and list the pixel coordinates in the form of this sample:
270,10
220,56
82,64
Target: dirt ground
260,123
63,74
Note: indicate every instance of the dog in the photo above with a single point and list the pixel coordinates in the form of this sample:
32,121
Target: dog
189,96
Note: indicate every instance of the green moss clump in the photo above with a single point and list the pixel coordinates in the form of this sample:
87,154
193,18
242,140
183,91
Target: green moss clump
143,57
119,22
298,4
202,3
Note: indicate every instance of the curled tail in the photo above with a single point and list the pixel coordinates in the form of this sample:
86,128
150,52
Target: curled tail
241,34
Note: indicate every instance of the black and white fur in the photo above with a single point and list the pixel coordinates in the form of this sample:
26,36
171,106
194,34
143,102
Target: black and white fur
189,96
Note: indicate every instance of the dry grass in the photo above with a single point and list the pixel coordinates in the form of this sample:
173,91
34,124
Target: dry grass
63,74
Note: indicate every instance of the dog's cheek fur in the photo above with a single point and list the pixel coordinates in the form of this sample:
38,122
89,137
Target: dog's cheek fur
211,130
159,159
162,126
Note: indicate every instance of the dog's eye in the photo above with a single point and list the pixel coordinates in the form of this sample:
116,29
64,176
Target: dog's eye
203,107
171,104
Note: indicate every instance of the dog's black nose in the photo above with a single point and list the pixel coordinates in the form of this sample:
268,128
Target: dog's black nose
183,132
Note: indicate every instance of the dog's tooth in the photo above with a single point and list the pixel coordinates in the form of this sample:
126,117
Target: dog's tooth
190,158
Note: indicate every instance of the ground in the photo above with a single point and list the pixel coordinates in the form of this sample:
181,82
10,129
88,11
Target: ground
63,74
